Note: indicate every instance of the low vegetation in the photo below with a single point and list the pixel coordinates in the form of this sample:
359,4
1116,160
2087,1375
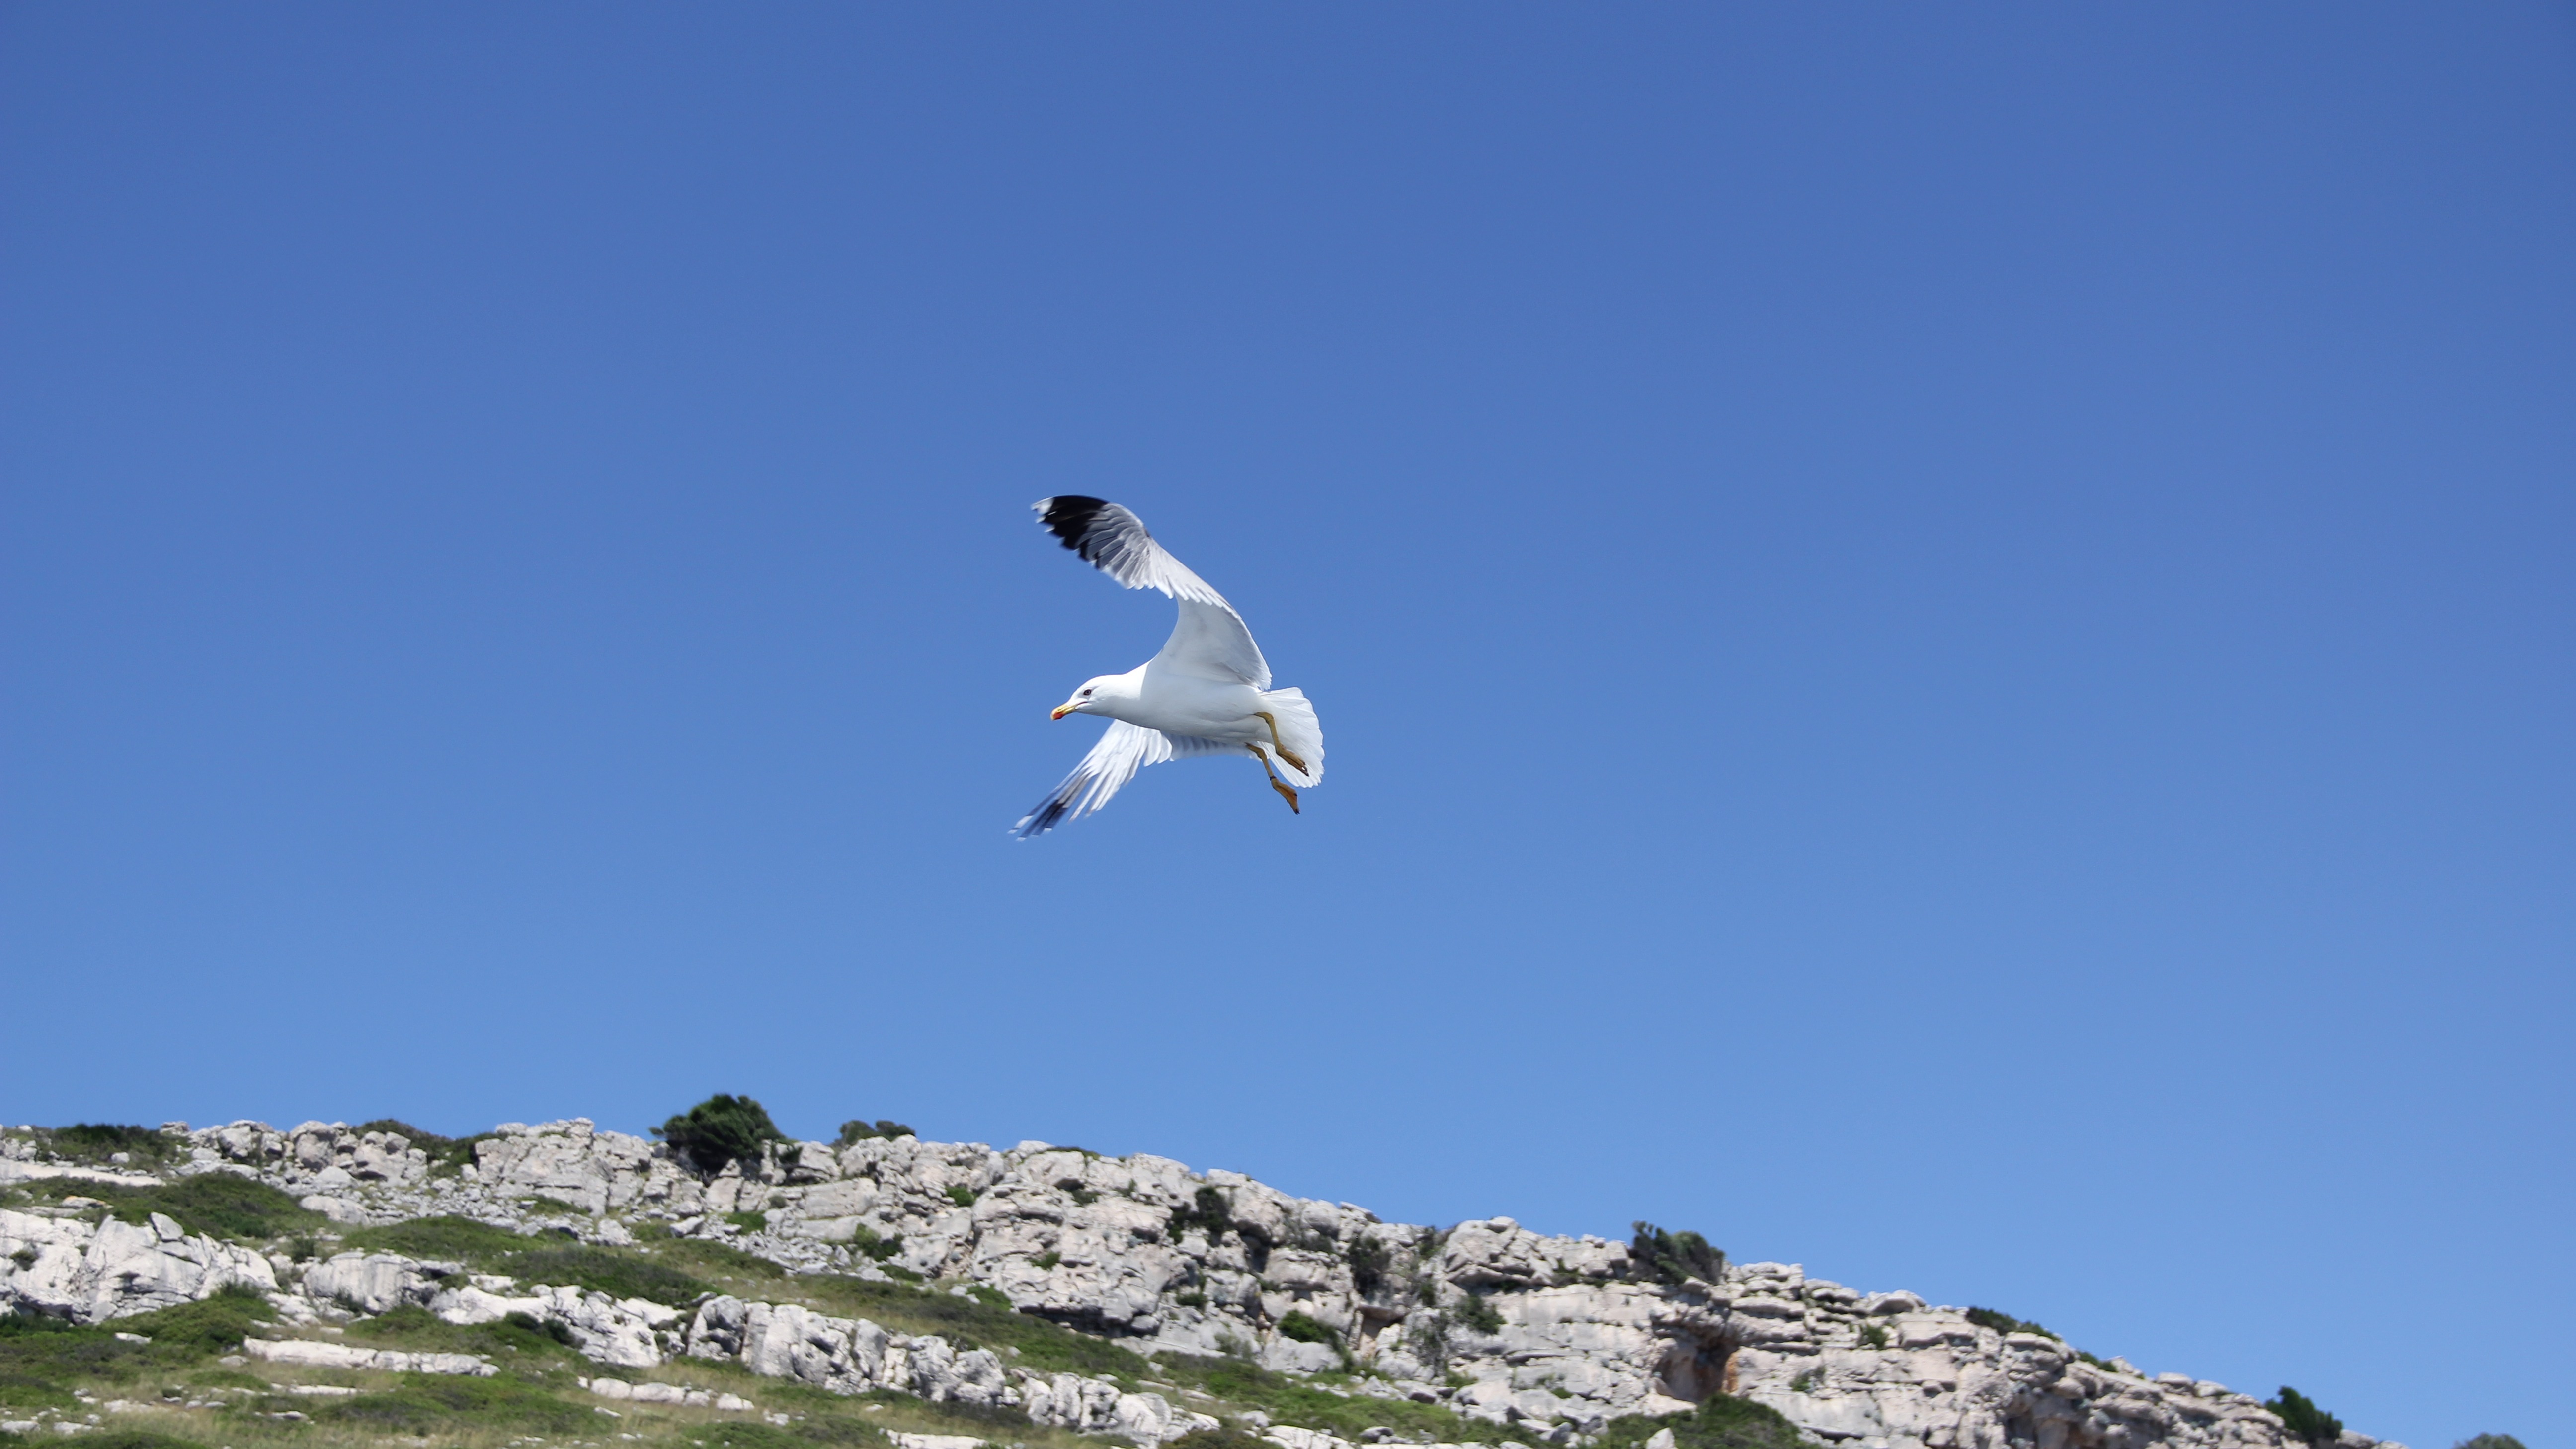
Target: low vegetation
2301,1416
215,1202
2002,1322
1720,1423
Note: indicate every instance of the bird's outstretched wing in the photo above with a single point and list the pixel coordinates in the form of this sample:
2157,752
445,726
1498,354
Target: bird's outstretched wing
1209,640
1122,751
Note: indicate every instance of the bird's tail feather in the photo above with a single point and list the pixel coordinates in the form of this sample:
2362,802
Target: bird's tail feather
1299,732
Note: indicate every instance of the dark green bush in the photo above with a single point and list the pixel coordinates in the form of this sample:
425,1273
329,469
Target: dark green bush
960,1194
1368,1259
2002,1322
720,1130
856,1130
1666,1257
2489,1441
1305,1329
1207,1212
2301,1416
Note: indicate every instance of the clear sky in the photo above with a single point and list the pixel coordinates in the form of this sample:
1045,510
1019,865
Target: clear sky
1945,631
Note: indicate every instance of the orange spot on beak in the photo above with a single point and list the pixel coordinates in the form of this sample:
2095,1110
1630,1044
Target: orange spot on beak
1060,711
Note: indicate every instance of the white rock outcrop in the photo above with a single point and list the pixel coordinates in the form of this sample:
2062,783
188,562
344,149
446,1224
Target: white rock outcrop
68,1267
1553,1334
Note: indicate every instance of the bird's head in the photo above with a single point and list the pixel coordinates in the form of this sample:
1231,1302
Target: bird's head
1089,698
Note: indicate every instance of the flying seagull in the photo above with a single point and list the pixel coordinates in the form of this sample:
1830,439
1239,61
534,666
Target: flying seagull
1207,693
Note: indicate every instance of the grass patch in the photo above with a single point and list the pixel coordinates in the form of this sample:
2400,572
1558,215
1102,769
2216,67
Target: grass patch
215,1202
448,1404
421,1331
462,1239
710,1258
1045,1347
42,1356
1720,1423
135,1439
1292,1401
611,1271
749,1222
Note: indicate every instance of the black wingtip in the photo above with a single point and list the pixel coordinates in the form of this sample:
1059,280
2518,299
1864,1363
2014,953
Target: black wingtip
1069,517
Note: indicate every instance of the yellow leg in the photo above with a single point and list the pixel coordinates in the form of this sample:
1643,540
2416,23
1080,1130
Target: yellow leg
1265,717
1282,786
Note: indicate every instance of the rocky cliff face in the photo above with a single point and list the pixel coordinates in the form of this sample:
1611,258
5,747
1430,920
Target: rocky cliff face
1556,1336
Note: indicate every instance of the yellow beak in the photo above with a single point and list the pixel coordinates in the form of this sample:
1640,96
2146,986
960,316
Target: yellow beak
1060,711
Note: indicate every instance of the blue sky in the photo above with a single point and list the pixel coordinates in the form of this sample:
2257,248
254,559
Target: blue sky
1945,632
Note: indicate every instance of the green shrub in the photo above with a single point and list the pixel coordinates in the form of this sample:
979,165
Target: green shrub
867,1241
1047,1259
1873,1335
2002,1322
609,1270
720,1130
961,1194
2489,1441
517,1337
856,1130
1191,1299
1305,1329
96,1141
1207,1212
1368,1259
1671,1257
2300,1415
1480,1315
749,1222
1720,1423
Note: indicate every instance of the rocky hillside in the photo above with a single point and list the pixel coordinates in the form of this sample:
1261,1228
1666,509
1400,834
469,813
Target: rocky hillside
357,1279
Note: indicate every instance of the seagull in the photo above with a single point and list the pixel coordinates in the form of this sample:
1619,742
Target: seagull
1207,693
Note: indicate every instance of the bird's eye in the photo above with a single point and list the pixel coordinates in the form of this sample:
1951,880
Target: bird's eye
1086,694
